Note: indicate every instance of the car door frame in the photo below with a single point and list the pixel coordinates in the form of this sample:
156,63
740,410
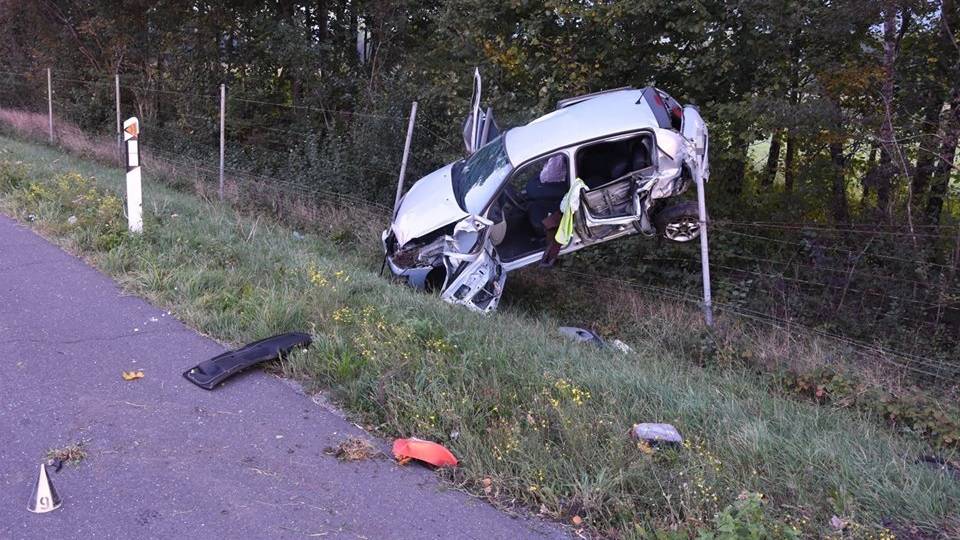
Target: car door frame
580,240
585,219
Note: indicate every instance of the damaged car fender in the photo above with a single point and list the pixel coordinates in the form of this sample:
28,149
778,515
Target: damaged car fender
475,277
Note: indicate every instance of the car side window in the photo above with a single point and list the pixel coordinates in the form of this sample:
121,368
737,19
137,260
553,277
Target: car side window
539,179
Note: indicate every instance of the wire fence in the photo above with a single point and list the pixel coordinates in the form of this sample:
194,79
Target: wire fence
888,290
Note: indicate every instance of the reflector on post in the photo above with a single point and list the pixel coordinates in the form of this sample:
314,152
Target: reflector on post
131,135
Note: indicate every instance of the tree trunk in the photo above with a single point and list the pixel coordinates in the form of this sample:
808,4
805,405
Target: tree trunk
950,122
738,168
839,183
926,153
884,178
867,181
773,159
322,16
788,159
947,155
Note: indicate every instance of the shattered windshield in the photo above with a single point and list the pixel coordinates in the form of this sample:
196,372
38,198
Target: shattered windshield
477,178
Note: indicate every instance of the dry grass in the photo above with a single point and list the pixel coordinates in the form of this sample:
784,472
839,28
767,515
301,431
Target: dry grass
637,315
72,453
26,124
36,126
353,449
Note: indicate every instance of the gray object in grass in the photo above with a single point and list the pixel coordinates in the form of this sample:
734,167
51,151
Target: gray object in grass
581,335
657,433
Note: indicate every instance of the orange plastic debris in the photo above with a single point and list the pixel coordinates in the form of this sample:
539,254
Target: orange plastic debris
426,451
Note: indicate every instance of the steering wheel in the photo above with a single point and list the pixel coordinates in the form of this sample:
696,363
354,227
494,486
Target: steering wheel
513,196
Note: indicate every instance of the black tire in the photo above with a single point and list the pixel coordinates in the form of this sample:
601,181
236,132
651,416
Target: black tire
682,216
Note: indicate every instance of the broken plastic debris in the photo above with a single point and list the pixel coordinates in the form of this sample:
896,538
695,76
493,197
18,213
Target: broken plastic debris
210,373
656,433
621,346
72,220
581,335
429,452
131,375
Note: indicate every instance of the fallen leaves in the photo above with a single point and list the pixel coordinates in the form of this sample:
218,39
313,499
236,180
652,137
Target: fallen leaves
132,375
488,486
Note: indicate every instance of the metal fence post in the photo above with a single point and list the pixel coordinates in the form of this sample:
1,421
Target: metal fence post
704,252
50,103
223,110
406,155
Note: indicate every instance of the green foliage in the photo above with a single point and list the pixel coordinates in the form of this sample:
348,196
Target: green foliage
71,201
12,175
909,411
746,519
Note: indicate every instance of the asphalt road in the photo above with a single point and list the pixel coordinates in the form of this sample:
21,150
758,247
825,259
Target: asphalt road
167,459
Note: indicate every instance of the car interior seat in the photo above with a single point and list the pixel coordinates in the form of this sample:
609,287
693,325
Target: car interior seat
542,200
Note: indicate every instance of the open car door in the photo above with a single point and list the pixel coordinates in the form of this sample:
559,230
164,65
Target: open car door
479,127
615,173
694,130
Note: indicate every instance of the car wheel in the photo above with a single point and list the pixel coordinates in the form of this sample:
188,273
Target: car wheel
680,222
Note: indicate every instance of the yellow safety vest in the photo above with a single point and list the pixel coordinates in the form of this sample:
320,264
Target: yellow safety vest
569,206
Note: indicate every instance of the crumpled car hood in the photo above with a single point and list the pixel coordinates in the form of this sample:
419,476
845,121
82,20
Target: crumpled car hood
429,205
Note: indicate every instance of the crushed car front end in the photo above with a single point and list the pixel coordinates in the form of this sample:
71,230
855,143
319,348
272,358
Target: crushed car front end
438,240
456,259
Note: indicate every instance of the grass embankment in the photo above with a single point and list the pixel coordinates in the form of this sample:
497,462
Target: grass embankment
536,421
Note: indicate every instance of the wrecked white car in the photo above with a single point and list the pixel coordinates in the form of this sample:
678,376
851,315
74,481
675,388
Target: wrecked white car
600,167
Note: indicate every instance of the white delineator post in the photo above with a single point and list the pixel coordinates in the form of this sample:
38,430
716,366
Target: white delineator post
50,103
223,111
131,134
406,155
704,251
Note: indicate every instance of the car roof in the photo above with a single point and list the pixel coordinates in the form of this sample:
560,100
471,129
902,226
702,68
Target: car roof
606,114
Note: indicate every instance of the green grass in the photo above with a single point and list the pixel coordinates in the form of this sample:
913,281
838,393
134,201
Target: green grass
544,419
